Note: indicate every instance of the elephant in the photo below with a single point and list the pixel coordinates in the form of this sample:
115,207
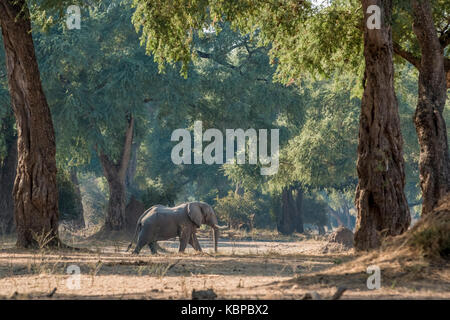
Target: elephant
163,223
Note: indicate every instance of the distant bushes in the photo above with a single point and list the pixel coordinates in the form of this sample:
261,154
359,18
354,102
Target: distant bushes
156,194
69,201
315,212
245,211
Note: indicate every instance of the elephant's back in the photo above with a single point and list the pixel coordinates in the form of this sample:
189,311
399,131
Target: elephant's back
160,213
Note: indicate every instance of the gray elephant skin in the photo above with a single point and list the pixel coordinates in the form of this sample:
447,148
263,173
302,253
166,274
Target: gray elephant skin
163,223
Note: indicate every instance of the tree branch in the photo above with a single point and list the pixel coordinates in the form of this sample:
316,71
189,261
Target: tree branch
205,55
109,168
408,56
126,152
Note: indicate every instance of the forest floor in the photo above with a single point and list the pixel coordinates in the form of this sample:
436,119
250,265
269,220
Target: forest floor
257,266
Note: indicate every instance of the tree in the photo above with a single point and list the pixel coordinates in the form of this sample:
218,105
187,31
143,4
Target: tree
78,204
380,198
99,79
8,162
291,215
115,173
289,210
315,212
70,202
35,191
434,160
339,203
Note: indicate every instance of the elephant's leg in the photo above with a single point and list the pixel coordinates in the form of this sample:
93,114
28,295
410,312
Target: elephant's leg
184,238
153,247
160,248
140,243
193,241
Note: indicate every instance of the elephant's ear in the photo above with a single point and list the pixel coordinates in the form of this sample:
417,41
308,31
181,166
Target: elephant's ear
195,213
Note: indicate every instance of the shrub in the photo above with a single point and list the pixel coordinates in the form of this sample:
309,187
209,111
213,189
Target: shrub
238,210
69,203
156,194
314,211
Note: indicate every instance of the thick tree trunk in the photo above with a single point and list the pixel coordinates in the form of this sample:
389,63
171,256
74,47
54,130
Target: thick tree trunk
286,223
298,193
115,217
79,222
115,175
7,177
380,199
434,162
35,191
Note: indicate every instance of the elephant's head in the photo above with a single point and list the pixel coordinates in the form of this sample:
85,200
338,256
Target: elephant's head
202,213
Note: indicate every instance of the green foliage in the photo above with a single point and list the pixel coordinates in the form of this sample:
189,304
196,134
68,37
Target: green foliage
314,211
236,210
68,200
304,37
156,194
95,78
406,88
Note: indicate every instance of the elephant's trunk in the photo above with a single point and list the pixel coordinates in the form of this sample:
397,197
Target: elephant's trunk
216,236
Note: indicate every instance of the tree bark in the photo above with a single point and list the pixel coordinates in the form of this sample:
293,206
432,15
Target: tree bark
115,175
132,166
79,222
380,199
35,191
348,216
434,161
298,192
7,177
286,224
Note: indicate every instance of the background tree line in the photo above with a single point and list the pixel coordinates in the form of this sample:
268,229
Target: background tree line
105,136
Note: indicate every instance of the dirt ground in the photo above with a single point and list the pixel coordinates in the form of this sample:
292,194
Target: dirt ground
254,268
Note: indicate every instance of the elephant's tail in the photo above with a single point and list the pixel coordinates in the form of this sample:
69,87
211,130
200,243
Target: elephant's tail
138,227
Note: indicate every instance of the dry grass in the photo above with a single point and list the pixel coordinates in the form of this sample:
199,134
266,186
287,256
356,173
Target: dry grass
253,269
415,265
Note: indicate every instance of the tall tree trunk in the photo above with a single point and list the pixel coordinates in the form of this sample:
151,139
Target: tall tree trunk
288,212
115,175
7,177
348,216
132,166
35,191
79,222
380,199
298,194
434,162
